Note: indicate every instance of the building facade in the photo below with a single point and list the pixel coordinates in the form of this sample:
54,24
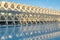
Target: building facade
25,17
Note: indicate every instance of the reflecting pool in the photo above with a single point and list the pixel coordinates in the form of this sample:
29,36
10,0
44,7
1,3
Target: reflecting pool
40,31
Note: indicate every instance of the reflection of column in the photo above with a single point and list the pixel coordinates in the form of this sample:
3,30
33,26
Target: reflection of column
58,25
44,37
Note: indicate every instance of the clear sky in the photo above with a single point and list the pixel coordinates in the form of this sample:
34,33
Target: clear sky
53,4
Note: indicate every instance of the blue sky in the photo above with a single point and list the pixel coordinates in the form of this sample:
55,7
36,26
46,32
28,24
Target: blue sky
53,4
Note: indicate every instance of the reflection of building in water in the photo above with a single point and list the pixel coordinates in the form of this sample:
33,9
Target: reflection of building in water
12,15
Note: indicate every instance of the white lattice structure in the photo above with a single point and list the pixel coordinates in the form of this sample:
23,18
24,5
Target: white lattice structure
26,8
25,13
32,18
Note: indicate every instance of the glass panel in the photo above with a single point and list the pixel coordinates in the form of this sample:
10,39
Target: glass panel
15,18
2,22
17,22
18,6
9,18
12,5
10,23
5,5
2,18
